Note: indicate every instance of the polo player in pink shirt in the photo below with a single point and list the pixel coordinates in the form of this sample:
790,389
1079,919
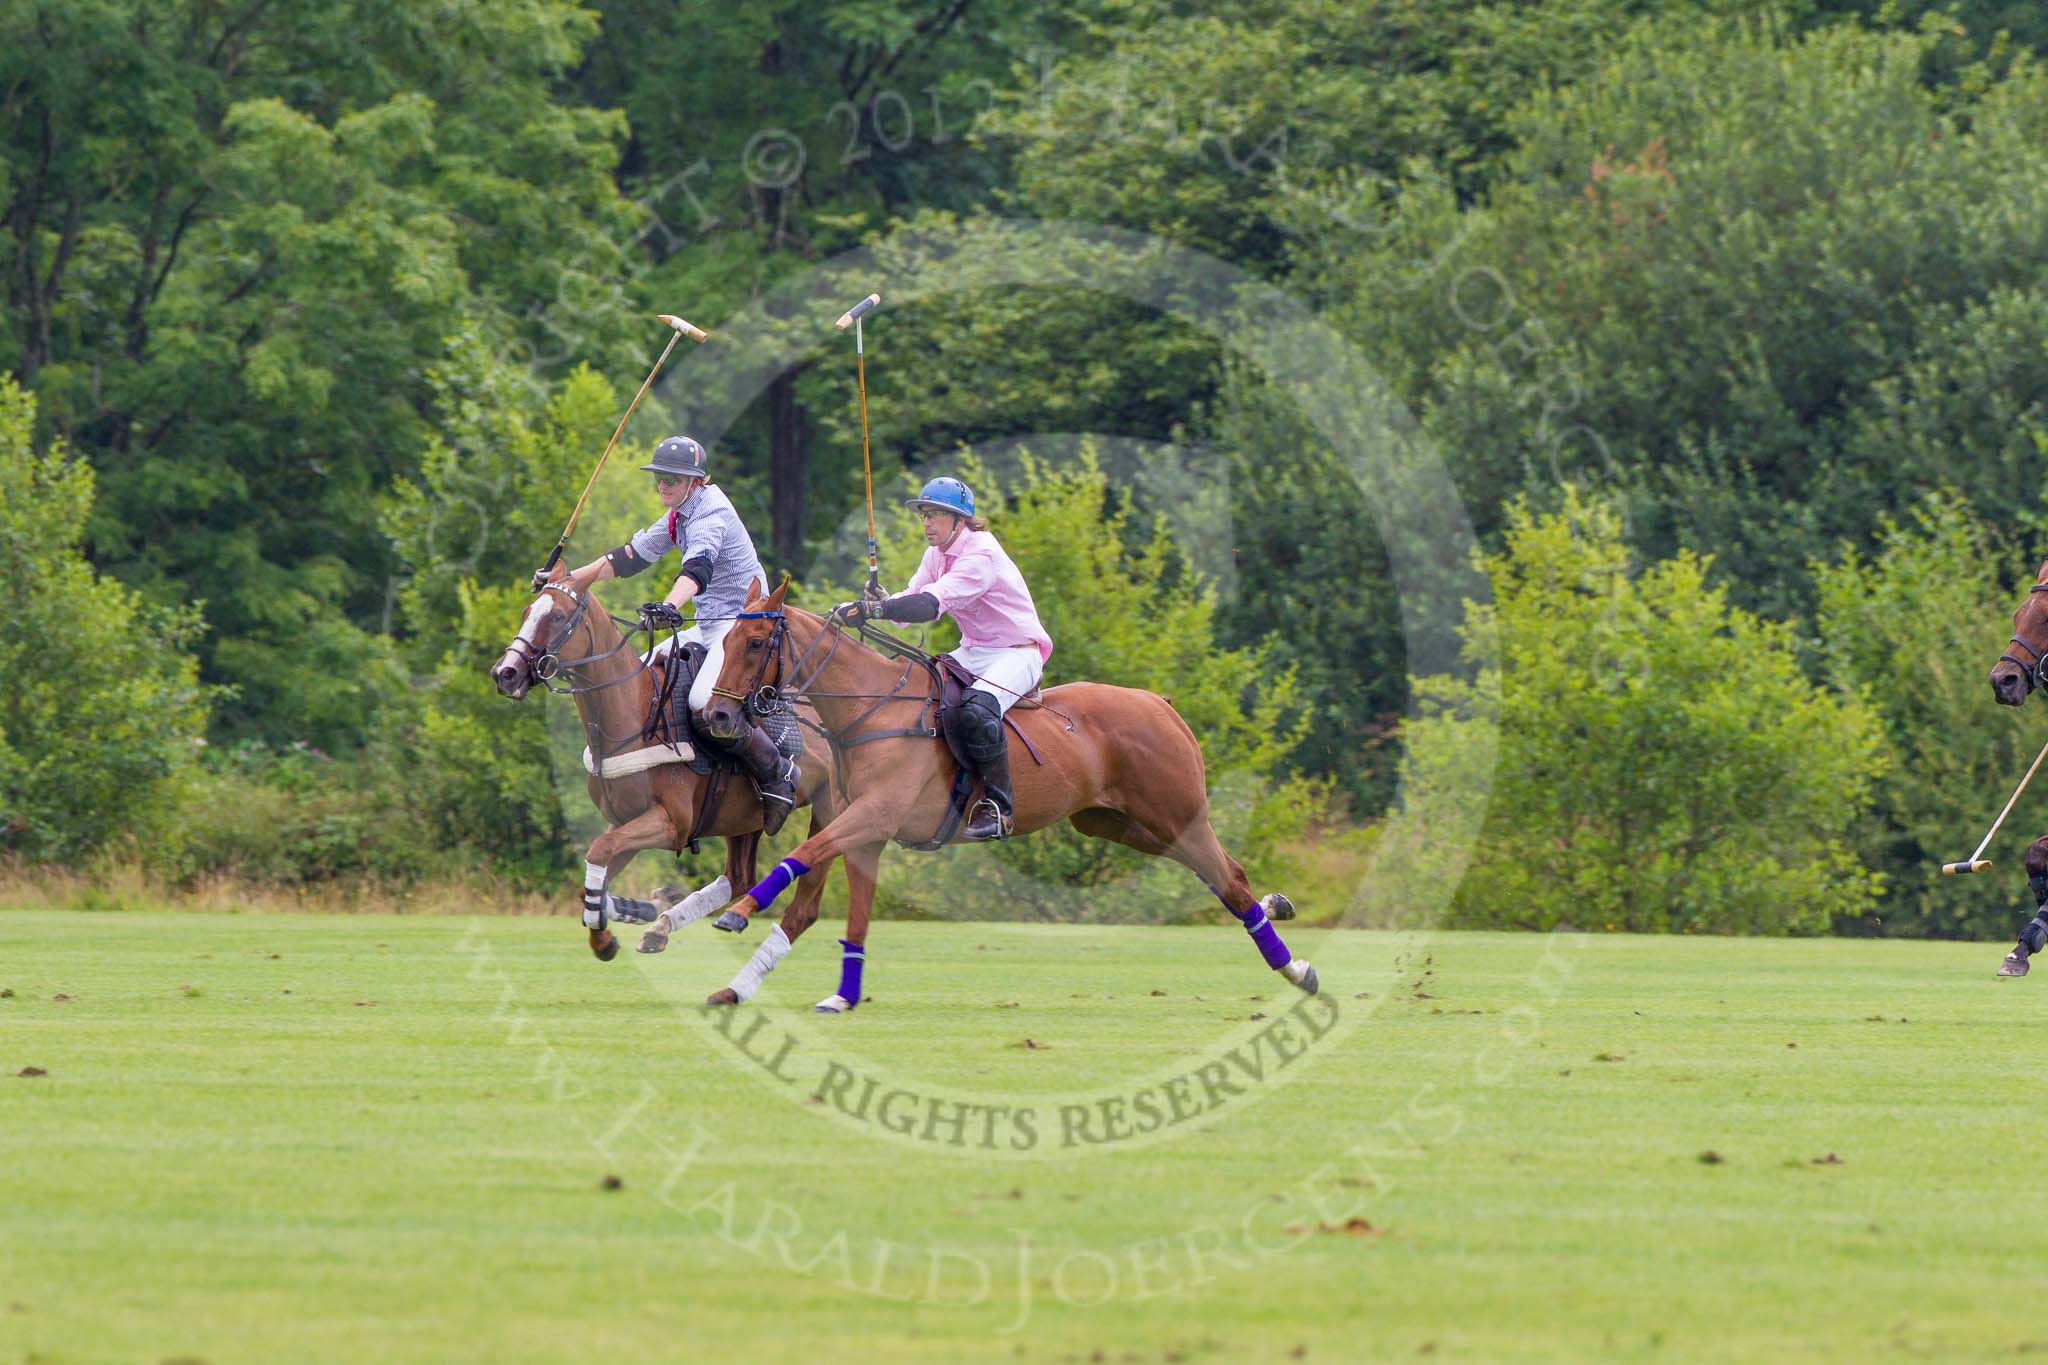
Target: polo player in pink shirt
965,574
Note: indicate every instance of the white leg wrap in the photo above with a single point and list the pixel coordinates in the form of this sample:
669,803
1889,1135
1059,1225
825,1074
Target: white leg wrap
593,882
761,963
698,903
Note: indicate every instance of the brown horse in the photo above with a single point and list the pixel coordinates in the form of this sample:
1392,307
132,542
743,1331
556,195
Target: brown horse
1114,762
2013,680
566,635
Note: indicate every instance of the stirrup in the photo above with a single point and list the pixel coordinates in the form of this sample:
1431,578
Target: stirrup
1002,823
776,807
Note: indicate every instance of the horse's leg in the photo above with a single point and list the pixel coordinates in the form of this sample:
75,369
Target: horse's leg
801,915
738,871
2034,936
694,906
868,820
1193,844
609,853
740,852
862,865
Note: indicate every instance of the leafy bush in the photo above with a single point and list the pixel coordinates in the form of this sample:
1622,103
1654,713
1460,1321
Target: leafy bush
1663,765
103,710
1916,626
293,816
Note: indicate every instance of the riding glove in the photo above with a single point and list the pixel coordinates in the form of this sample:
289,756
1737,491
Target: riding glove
660,615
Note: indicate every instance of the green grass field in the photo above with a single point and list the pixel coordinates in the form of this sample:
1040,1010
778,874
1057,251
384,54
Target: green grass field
272,1138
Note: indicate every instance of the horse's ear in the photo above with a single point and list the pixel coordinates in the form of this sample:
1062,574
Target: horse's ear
775,598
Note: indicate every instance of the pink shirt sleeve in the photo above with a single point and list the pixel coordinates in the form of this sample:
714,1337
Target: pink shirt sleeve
971,575
922,579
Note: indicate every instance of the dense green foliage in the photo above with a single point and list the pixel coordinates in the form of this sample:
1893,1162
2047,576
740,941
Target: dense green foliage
1664,766
103,713
338,301
1916,627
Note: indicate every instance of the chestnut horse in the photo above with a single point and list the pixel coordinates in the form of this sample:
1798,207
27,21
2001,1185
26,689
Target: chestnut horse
566,635
2016,676
1115,762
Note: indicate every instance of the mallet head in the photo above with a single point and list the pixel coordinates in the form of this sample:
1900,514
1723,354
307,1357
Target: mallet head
1952,869
859,310
693,333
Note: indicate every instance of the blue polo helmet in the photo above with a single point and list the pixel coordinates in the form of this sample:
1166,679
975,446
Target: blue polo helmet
948,495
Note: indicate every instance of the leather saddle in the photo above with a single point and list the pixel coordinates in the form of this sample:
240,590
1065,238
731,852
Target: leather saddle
668,716
952,682
669,719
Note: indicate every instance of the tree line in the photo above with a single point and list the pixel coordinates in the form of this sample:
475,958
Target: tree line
317,314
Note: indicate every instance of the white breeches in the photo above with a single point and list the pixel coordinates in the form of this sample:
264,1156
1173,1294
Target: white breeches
710,634
1005,672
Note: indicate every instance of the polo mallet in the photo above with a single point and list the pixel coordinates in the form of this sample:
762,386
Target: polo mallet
854,315
1977,862
682,329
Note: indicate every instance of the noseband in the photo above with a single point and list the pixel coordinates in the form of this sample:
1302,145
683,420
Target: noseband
2030,671
546,664
761,696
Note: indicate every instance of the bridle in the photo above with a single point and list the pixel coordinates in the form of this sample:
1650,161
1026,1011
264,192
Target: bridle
2030,671
797,680
761,696
545,664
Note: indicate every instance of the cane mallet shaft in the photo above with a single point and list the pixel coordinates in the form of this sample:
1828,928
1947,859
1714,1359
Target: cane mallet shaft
1977,862
853,316
681,329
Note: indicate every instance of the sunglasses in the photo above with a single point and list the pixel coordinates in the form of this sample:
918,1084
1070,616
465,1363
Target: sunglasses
668,480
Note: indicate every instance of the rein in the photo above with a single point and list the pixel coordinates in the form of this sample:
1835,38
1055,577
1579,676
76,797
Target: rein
547,665
799,678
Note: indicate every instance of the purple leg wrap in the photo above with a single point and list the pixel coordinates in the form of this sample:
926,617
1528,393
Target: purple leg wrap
853,958
1265,935
776,882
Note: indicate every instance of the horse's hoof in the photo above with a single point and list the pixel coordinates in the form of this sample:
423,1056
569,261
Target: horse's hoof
655,940
632,911
666,897
2015,964
1301,974
833,1004
606,947
728,996
732,921
1277,906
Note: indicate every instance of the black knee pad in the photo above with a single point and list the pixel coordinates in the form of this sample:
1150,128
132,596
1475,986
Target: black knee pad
979,725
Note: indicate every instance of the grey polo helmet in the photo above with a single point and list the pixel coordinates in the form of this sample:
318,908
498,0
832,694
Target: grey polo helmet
678,455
